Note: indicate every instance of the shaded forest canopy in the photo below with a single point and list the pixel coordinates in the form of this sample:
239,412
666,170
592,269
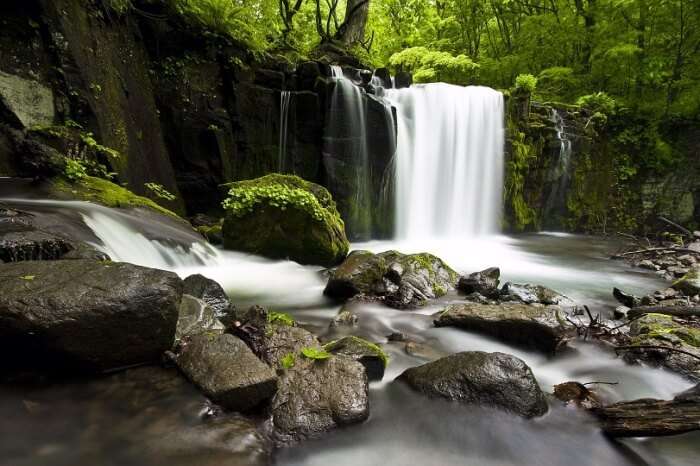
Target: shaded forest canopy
642,53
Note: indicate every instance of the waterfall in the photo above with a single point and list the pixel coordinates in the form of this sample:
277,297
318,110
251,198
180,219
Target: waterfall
449,167
285,103
559,177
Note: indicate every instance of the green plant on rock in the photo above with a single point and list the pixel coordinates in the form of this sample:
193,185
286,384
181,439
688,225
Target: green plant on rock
281,318
160,192
315,353
288,361
522,155
74,170
525,83
598,102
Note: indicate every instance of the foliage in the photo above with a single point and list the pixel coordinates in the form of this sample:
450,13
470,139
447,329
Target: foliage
525,83
288,361
280,318
522,154
431,65
557,82
160,192
315,353
74,170
599,102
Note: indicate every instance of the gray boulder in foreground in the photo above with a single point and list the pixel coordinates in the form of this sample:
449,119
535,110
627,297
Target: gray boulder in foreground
475,377
85,315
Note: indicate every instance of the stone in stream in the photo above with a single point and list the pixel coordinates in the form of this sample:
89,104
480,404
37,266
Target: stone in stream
660,330
227,371
196,317
85,315
689,283
284,217
577,394
626,299
345,318
403,281
370,355
208,291
531,294
484,282
543,328
489,379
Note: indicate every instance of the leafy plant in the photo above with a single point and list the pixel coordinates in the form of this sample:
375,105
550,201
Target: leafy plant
160,192
315,353
525,83
74,169
281,318
598,102
288,361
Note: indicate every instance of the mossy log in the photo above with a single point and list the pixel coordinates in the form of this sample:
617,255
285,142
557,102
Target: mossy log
676,311
649,418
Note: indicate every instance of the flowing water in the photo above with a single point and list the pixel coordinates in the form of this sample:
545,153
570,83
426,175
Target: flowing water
560,175
285,104
449,168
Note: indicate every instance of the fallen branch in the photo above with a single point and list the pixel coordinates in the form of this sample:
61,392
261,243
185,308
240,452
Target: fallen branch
649,418
647,250
674,224
677,311
655,347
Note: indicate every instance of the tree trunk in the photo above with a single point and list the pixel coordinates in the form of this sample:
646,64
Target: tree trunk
352,31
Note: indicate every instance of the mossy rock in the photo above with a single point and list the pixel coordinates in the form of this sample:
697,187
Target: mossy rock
104,192
368,354
284,216
689,283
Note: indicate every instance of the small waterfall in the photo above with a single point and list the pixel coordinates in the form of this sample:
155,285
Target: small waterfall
559,176
449,169
285,104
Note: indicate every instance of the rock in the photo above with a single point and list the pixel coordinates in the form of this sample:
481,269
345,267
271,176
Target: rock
384,76
689,283
316,396
208,291
396,336
484,282
692,394
491,379
30,102
694,246
227,371
530,294
687,259
423,351
647,264
677,271
401,280
541,328
626,299
665,331
620,312
345,318
402,80
196,317
577,394
85,315
370,355
283,216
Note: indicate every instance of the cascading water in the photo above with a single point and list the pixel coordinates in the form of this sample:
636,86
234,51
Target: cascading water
449,168
285,104
560,176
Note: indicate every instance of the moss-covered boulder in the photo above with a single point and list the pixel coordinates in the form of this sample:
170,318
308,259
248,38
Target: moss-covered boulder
284,216
401,280
689,283
368,354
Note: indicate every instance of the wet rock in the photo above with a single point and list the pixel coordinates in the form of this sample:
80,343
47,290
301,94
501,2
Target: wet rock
538,327
284,216
208,291
370,355
620,312
626,299
396,336
658,330
401,280
227,371
647,264
692,394
85,315
196,317
689,283
30,102
491,379
402,80
345,318
484,282
577,394
316,396
530,294
423,351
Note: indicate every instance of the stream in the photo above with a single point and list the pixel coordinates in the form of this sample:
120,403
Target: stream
129,418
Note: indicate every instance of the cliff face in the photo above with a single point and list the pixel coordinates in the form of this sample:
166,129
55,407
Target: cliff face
184,110
566,171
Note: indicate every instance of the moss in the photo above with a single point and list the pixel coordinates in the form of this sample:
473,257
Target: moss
106,193
288,361
523,153
663,327
315,353
280,318
358,342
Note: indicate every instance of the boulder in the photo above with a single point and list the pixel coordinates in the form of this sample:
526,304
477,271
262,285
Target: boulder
401,280
85,315
575,393
30,102
689,283
626,299
316,396
208,291
543,328
284,216
370,355
484,282
345,318
227,371
490,379
196,317
658,330
530,294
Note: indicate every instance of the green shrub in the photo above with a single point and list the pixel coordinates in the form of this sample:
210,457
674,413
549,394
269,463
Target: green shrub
525,83
74,169
599,102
